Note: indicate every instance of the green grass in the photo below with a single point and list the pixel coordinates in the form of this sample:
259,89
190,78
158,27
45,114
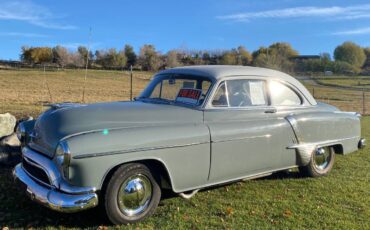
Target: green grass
283,201
340,200
359,83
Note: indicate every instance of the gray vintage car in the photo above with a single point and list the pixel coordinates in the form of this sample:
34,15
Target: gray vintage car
191,128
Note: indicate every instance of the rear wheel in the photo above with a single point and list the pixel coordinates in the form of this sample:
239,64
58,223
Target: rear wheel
322,161
132,194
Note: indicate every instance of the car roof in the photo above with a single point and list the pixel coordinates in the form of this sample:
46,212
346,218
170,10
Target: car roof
218,72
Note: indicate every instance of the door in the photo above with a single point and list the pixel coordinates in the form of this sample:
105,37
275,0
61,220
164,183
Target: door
247,135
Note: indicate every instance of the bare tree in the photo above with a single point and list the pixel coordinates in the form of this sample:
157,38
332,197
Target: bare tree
172,59
61,56
149,58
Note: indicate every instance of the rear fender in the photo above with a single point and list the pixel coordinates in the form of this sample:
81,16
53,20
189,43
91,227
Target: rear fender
319,129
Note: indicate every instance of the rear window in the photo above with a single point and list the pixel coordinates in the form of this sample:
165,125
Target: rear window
282,95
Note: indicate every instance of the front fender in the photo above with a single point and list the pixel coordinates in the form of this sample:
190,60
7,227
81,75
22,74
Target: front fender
25,127
183,149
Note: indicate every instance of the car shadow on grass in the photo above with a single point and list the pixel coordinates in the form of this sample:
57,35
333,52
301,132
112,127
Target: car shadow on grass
18,211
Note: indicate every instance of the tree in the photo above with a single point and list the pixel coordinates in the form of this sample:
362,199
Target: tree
111,58
229,58
343,67
244,57
149,58
75,59
37,55
172,59
116,59
276,56
206,57
60,56
84,53
284,49
238,56
26,54
351,53
130,55
325,57
367,53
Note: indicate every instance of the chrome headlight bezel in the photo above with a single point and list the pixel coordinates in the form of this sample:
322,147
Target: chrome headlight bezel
63,158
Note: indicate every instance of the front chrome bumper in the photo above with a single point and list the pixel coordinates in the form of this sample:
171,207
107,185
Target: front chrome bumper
63,197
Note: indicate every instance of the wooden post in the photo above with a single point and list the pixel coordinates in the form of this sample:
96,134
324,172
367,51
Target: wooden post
131,83
363,102
87,65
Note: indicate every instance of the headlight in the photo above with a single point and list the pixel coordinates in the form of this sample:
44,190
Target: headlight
21,133
63,158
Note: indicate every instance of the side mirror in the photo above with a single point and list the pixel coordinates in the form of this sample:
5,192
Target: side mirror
171,81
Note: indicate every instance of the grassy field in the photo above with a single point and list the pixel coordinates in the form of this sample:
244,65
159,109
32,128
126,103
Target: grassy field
282,201
347,99
360,83
23,92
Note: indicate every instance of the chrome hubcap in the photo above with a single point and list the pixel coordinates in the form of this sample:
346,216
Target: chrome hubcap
134,195
322,158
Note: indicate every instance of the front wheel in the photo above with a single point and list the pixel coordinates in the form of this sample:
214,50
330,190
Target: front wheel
322,161
132,194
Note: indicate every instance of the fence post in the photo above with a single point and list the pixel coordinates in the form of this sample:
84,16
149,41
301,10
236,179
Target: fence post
313,92
131,83
363,102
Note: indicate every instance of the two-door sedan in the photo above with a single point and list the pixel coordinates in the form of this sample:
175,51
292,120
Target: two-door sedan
191,128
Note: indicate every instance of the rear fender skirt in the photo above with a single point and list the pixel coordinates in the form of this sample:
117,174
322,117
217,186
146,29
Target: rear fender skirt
305,150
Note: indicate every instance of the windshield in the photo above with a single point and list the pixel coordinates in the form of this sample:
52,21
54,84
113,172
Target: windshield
181,89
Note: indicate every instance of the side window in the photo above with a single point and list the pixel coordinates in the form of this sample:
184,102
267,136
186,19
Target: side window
283,95
241,93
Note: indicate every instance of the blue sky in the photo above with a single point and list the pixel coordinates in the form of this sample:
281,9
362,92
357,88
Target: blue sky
311,27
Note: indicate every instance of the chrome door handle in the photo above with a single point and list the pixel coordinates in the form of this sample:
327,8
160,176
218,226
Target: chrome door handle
272,110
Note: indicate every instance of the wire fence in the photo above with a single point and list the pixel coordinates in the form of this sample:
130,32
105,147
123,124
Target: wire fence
354,100
24,93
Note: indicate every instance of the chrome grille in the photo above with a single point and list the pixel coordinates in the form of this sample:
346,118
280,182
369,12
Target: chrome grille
35,171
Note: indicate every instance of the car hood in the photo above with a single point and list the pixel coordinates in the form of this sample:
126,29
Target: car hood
64,120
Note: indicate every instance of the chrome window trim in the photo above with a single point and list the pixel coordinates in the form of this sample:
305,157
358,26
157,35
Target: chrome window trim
226,94
208,104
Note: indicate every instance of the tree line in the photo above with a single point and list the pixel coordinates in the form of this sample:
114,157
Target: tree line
348,58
